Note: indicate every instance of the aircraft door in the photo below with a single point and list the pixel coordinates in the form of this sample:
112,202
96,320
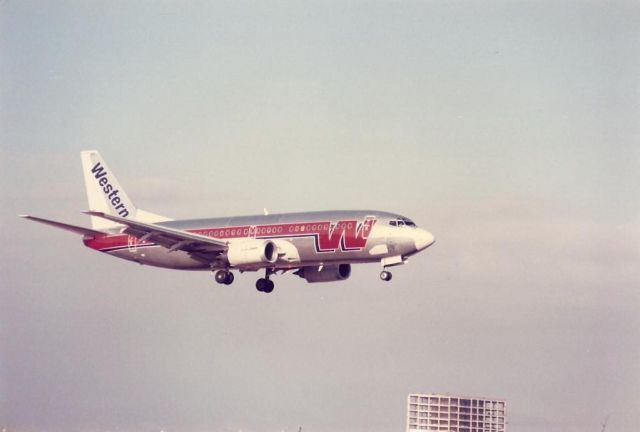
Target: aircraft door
391,239
132,244
253,230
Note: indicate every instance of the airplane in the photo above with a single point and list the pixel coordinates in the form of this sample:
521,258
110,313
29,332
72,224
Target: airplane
317,246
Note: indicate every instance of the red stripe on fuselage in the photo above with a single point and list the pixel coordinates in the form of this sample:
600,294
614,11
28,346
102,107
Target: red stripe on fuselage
348,235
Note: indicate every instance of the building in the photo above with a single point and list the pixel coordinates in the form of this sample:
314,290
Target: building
446,413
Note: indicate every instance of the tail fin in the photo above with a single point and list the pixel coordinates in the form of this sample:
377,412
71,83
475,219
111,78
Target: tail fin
106,195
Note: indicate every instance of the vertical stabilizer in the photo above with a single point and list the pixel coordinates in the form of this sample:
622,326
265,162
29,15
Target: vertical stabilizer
104,192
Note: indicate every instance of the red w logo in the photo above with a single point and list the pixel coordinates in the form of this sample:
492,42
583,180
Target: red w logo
348,235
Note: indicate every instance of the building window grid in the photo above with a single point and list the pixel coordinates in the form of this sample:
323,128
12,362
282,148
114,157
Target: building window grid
463,415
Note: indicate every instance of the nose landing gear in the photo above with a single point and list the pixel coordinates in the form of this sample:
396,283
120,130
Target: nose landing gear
385,275
390,261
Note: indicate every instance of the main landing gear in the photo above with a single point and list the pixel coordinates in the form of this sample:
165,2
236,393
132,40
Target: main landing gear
265,284
224,277
385,275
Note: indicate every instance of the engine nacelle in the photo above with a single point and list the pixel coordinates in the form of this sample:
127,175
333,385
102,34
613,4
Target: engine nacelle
251,253
328,273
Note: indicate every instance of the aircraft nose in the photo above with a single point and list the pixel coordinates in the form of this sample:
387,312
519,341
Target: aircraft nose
423,239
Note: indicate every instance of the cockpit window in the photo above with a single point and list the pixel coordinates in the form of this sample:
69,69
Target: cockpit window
402,222
409,222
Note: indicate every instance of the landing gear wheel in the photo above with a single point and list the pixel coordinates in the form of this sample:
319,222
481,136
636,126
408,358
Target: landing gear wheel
385,275
270,286
265,285
222,275
228,280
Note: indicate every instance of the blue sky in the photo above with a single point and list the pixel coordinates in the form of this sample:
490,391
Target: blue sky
509,130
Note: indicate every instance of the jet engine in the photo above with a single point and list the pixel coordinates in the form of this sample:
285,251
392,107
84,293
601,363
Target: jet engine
250,253
328,273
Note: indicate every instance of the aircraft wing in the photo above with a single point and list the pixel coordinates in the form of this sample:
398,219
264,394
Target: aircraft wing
199,246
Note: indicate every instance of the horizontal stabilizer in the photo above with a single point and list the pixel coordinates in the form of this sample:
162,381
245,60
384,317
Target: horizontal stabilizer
67,227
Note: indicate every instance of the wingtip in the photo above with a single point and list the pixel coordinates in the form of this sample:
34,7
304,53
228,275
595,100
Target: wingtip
23,215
